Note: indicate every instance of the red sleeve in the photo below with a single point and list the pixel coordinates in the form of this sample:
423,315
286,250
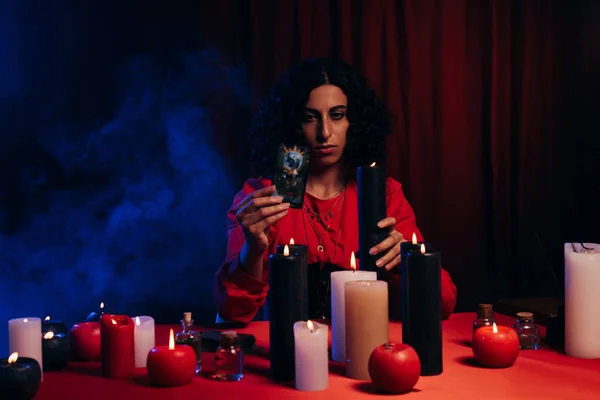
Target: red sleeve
406,223
238,295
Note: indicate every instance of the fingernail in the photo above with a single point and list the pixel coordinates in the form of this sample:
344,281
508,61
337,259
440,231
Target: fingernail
380,224
373,251
379,262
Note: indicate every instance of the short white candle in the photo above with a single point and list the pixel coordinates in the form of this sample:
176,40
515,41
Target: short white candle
338,313
143,337
25,338
312,361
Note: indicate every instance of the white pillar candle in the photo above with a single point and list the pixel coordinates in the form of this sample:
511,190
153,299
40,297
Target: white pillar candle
582,297
25,338
312,361
366,324
143,339
338,314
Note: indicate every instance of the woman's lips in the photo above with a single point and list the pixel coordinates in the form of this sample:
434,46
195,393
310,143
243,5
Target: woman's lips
326,150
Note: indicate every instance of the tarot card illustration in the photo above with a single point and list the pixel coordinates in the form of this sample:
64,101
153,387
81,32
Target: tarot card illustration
291,172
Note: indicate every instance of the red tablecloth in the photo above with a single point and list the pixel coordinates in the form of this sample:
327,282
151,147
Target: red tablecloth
541,374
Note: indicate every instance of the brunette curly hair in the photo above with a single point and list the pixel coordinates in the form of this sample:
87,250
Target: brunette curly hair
280,117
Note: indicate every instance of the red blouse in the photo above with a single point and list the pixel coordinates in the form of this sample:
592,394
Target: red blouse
239,296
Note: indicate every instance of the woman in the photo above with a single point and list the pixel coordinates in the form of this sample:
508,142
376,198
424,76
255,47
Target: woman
326,105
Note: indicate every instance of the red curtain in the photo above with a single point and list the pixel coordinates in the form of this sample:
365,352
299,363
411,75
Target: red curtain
493,117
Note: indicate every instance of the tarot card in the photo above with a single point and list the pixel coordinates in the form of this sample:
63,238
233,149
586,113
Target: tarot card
291,173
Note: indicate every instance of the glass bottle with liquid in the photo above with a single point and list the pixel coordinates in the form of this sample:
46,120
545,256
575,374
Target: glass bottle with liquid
527,331
485,316
190,338
229,358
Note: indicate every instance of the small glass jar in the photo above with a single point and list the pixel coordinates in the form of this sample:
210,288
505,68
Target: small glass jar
485,316
527,331
229,358
191,338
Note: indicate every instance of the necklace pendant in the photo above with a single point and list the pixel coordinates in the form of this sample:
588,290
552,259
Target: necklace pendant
320,248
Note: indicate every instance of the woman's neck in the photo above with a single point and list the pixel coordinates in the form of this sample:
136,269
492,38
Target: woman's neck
327,182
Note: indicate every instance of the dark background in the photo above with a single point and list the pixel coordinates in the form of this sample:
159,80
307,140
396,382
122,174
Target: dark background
123,138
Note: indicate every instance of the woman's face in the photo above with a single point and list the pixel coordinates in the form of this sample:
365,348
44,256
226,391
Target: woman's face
325,125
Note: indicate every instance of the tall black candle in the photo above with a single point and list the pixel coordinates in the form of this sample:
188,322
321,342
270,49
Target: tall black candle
423,300
371,210
288,303
20,377
94,316
55,351
405,248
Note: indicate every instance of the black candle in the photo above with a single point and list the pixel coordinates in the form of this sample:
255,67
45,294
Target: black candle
95,315
288,303
50,325
55,351
371,210
20,377
295,249
423,300
405,248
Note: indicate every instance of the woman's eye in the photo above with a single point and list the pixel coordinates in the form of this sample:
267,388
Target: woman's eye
337,116
308,117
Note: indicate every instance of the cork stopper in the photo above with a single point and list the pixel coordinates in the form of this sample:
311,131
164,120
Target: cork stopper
229,335
228,338
187,316
525,316
485,311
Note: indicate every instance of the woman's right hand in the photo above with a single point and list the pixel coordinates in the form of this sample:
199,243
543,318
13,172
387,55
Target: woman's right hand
256,213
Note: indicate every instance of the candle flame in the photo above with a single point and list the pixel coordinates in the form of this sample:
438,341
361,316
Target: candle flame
286,250
25,320
310,326
292,242
13,357
113,321
353,261
494,328
422,248
414,238
47,318
101,305
171,340
372,165
49,335
137,320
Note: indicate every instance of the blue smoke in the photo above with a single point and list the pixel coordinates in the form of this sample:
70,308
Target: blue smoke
130,211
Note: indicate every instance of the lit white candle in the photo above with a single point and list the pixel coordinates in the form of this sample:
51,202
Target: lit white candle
25,338
338,313
312,362
143,339
582,280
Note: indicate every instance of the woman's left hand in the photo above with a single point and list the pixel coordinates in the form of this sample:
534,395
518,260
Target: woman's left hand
391,244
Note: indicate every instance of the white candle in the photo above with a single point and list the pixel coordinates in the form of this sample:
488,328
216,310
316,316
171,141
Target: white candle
582,280
25,338
312,362
338,313
143,339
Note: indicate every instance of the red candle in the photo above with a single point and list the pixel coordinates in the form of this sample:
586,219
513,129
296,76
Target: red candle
118,350
171,365
495,346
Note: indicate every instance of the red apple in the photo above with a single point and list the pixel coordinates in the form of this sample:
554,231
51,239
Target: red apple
394,368
85,341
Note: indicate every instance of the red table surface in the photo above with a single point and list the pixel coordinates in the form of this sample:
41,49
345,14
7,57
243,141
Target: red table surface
541,374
